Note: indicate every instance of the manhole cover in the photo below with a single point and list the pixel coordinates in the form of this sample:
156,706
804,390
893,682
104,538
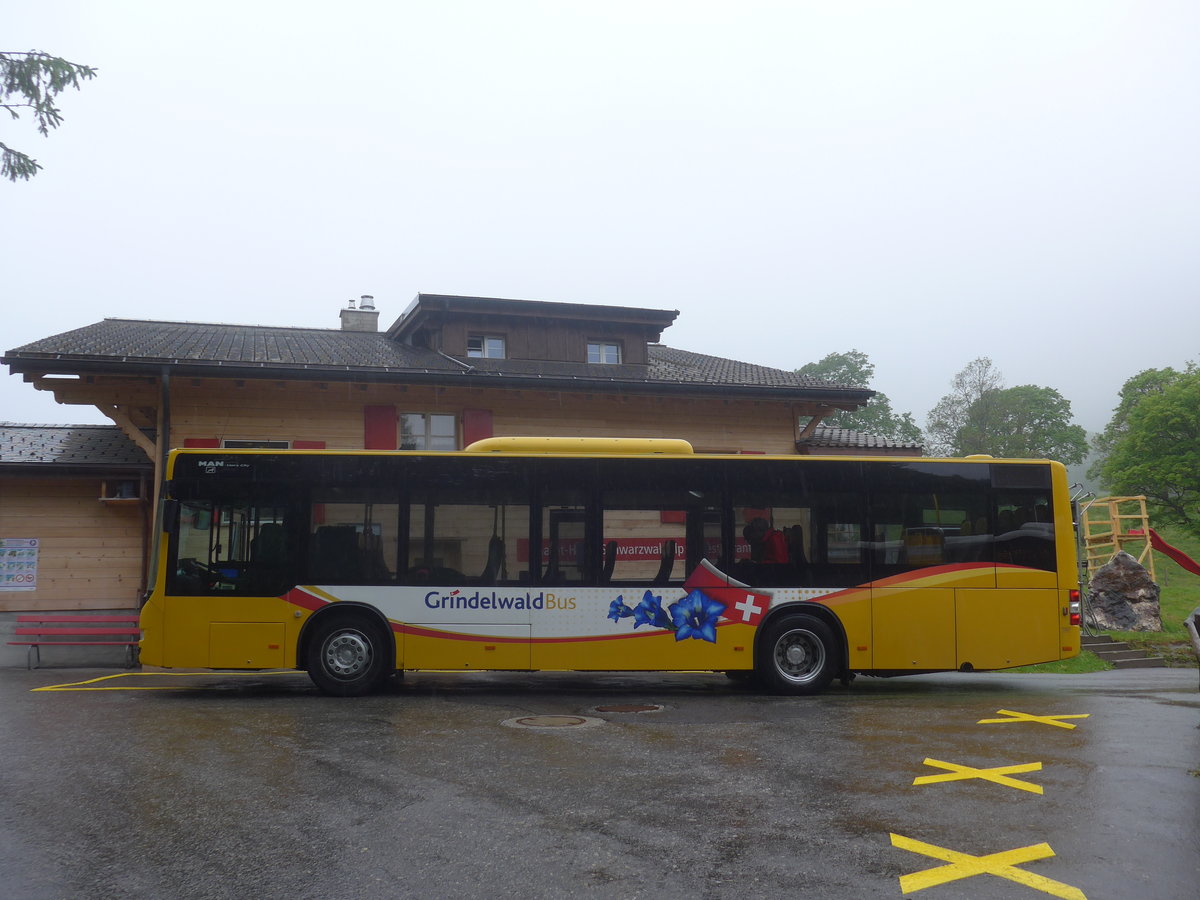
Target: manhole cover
552,722
631,708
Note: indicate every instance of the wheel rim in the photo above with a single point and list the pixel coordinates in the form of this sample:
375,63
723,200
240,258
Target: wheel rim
799,656
346,654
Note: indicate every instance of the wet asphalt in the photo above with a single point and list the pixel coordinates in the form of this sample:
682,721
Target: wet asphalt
215,785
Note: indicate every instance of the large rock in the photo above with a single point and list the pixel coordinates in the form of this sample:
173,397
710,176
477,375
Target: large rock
1122,596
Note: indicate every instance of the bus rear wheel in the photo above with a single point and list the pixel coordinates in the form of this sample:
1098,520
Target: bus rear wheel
797,656
347,656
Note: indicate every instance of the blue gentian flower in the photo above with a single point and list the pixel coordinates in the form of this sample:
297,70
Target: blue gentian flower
695,617
618,610
650,612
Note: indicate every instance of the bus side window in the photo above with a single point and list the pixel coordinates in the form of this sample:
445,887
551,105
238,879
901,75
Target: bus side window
564,549
238,548
1024,530
467,525
662,518
352,540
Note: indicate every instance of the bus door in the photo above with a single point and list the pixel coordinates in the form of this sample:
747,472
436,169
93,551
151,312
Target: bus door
221,608
1016,622
923,554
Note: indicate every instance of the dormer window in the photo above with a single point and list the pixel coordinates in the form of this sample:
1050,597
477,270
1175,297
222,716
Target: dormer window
604,353
487,346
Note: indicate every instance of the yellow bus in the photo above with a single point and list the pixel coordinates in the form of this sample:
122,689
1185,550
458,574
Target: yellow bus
595,554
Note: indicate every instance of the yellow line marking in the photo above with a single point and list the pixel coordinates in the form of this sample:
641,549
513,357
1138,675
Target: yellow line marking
996,774
79,685
964,865
1027,717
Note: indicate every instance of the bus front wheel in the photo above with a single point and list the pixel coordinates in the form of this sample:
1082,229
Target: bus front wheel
797,656
347,656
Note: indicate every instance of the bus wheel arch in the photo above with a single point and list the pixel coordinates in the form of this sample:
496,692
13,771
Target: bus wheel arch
800,650
347,649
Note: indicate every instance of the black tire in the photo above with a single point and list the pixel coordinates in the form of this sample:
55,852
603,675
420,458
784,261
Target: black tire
349,656
797,655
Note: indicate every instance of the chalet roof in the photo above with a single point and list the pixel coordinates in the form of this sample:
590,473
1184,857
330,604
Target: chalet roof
141,341
669,364
427,307
90,447
134,346
828,436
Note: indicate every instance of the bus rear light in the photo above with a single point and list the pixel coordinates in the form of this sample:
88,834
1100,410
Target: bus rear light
1075,606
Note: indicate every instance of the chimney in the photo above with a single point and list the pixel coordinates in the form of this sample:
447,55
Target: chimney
365,318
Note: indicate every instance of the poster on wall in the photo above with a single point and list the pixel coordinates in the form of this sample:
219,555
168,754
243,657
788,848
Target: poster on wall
18,564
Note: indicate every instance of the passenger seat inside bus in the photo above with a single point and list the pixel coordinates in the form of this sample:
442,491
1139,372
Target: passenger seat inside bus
335,558
610,562
924,547
270,547
795,543
268,561
495,561
667,564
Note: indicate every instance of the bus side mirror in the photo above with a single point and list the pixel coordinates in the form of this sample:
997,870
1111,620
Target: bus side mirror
170,517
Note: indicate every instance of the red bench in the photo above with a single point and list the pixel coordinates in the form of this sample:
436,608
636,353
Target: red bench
77,631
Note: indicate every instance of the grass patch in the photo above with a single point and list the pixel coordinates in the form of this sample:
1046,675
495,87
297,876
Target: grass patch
1086,661
1179,597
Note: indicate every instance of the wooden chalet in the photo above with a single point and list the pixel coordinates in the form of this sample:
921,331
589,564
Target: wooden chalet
449,371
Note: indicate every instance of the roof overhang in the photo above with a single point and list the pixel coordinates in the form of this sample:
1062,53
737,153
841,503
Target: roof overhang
76,470
36,366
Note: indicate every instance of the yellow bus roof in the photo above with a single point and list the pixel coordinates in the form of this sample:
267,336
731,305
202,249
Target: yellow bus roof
584,446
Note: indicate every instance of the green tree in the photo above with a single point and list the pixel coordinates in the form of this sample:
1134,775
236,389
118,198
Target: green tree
32,81
982,416
1155,449
854,369
1147,383
962,417
1033,422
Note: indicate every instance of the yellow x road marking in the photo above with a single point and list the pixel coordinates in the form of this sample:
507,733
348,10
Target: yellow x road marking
1026,717
996,774
964,865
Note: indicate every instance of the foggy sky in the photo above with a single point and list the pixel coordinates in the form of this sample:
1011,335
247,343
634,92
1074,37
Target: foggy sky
927,182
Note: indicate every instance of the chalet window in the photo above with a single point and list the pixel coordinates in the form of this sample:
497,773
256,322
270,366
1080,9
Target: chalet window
604,352
428,431
485,346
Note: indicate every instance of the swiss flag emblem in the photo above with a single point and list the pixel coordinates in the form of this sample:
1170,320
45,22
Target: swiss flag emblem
742,603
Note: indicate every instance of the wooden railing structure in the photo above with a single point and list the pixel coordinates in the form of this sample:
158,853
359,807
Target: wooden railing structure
1117,523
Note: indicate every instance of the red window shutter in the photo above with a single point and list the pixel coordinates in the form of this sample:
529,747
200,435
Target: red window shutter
380,427
202,443
308,445
476,425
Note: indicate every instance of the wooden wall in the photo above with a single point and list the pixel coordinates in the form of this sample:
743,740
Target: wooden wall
333,412
548,339
90,554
